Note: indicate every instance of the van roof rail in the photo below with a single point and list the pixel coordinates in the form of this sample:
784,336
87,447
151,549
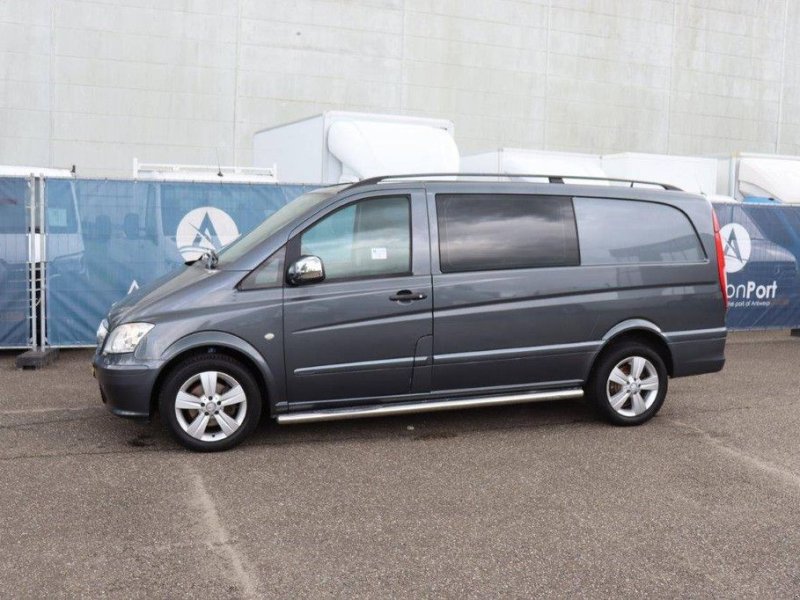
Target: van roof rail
549,177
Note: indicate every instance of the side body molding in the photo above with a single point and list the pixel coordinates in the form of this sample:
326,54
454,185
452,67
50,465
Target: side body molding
205,339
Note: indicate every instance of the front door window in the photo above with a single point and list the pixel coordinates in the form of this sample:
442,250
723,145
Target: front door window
371,238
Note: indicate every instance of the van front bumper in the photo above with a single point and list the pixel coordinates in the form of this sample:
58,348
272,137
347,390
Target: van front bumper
126,384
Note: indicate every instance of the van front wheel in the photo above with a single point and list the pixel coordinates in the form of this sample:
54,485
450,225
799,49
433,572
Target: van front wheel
210,402
629,384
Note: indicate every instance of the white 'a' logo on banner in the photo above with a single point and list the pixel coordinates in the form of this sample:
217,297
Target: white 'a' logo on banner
736,246
202,229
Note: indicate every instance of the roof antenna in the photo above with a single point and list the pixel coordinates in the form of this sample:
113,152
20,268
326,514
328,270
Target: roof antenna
219,168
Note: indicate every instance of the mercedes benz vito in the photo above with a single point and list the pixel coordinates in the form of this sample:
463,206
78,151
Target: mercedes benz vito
406,294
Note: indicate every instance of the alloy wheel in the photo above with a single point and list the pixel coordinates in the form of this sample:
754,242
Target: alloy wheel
632,386
210,406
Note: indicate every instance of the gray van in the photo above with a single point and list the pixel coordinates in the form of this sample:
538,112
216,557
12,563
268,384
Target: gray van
405,294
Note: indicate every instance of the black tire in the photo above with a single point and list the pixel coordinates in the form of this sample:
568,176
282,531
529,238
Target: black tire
600,389
229,370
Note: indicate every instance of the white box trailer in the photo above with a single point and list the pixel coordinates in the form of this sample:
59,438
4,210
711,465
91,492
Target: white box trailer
519,161
752,177
690,173
337,147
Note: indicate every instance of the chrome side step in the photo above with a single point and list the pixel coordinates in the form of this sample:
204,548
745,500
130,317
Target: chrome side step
336,414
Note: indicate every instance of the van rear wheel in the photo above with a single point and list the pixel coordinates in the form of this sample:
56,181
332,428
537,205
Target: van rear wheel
210,402
629,384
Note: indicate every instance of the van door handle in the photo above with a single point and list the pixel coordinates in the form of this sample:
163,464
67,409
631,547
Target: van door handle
407,296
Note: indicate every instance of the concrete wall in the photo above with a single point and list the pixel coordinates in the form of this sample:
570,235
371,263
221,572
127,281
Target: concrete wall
97,82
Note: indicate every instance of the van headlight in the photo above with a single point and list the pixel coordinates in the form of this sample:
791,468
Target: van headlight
125,338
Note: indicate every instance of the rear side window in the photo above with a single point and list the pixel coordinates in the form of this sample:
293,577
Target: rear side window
480,232
616,232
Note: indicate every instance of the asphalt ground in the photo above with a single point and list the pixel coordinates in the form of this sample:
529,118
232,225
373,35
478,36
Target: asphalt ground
534,500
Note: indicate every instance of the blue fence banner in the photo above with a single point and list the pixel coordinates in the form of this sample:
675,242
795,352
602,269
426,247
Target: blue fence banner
106,238
762,245
14,297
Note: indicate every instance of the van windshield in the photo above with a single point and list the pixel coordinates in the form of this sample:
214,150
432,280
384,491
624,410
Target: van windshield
274,222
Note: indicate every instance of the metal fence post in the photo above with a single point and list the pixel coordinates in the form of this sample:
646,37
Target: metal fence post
39,354
32,262
43,263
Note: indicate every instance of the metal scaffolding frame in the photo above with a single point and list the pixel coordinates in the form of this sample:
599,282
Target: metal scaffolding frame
37,263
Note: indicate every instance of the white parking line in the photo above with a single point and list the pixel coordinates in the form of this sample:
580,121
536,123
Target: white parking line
218,534
788,477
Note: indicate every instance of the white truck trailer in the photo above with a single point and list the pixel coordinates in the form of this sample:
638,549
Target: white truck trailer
519,161
761,177
337,147
690,173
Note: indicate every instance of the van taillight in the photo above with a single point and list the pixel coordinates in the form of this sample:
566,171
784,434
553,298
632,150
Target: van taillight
723,278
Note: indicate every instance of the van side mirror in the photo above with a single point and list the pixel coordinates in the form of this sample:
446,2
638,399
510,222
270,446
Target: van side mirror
306,269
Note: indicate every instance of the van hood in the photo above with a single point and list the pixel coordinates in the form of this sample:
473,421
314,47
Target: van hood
182,287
